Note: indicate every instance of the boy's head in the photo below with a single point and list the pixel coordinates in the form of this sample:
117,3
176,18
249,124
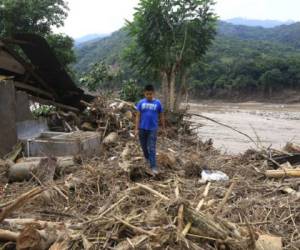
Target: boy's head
149,92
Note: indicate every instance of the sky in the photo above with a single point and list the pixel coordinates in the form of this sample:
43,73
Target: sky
105,16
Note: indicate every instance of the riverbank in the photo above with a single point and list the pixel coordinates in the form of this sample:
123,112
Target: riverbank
286,96
268,124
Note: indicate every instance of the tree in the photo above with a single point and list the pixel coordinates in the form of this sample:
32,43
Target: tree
270,80
31,16
63,48
98,75
169,37
39,17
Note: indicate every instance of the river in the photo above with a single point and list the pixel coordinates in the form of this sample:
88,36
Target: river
268,124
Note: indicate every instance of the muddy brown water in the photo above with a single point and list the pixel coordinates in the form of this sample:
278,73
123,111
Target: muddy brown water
268,124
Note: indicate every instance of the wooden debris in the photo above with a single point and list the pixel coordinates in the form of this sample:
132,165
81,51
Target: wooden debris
292,148
19,202
198,208
111,139
6,235
268,242
27,169
63,245
12,156
137,229
37,237
226,197
166,160
219,229
87,126
280,173
136,242
151,190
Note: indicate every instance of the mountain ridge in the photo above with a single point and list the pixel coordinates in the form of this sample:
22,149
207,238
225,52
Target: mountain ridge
109,49
267,23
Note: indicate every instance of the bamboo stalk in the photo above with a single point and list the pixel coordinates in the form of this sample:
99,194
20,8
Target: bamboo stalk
198,208
151,190
283,173
137,229
228,193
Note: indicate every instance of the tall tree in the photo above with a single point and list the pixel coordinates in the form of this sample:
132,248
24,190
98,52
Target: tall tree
38,16
169,37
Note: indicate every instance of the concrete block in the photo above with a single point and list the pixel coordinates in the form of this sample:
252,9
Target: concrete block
82,143
31,129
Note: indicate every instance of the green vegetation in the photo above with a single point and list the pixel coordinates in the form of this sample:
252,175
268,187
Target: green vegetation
242,61
99,76
42,110
131,91
32,16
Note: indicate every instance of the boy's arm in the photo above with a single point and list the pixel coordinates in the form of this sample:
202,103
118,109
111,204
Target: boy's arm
137,123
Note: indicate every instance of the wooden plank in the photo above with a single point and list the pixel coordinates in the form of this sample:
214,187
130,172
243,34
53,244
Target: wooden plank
7,62
25,86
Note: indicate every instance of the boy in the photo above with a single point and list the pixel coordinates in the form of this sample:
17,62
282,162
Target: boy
149,111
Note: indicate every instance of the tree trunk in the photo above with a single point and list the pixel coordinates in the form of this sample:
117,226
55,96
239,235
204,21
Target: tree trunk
182,91
172,92
165,90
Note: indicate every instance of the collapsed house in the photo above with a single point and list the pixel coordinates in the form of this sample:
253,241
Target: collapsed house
36,77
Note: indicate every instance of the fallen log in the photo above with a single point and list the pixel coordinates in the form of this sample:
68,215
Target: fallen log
280,173
6,235
27,168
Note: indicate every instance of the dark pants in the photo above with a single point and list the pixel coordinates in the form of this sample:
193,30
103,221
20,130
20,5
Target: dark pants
148,144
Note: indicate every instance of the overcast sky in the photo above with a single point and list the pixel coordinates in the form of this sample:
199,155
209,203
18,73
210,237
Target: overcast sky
106,16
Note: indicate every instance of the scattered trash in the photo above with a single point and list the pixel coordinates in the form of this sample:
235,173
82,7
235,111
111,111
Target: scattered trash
208,175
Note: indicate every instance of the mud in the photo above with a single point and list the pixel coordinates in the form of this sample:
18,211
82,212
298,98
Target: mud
268,124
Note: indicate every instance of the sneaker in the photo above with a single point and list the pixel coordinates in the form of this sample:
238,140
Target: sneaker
155,171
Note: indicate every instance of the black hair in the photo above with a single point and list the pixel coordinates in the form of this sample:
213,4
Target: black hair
149,88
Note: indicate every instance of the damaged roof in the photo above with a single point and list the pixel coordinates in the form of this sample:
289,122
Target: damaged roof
40,74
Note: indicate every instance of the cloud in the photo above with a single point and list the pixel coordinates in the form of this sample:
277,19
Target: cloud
259,9
106,16
97,16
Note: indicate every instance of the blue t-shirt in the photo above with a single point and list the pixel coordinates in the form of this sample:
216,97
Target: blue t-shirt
150,111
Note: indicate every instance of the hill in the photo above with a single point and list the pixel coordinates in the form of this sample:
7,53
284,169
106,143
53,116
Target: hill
287,34
108,49
257,23
89,38
242,59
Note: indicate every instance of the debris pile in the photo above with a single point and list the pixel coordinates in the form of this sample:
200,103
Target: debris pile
114,201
